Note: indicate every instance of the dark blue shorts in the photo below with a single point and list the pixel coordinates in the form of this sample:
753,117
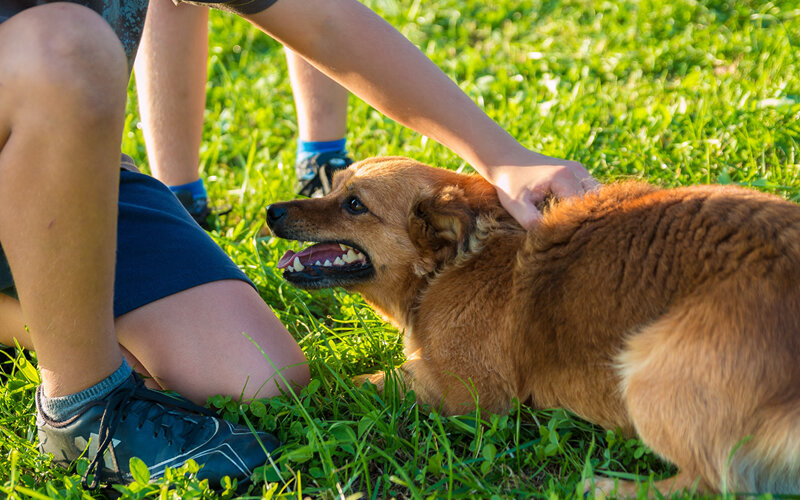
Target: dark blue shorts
160,249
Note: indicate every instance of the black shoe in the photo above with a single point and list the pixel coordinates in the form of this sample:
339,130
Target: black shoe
161,430
199,210
314,174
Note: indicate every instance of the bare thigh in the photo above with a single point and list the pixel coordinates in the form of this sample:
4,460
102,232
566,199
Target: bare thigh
216,338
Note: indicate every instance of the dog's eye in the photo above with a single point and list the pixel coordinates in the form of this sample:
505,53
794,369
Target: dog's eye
354,205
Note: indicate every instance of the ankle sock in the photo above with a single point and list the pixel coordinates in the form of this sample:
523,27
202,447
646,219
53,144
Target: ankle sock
197,188
307,149
63,407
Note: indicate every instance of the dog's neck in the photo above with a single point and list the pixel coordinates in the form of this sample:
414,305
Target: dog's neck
456,282
396,302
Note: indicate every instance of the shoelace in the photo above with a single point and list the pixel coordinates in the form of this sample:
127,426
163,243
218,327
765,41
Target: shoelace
117,403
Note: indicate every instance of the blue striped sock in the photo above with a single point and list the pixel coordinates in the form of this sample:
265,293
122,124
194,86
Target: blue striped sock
307,149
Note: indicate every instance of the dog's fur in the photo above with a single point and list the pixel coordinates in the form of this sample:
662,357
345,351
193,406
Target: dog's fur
673,314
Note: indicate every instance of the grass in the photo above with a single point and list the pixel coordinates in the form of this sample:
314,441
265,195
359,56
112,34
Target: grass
674,92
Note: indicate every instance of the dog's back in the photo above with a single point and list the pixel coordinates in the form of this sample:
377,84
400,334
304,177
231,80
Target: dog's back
675,313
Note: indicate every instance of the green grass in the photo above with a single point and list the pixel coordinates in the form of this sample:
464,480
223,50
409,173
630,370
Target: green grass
674,92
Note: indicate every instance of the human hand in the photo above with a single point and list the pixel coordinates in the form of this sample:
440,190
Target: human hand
521,185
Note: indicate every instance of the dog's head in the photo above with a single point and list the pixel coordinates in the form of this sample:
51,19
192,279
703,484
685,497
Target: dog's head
387,223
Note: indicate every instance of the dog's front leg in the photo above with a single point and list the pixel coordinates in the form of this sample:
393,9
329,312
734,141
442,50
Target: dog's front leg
405,380
376,379
603,487
432,386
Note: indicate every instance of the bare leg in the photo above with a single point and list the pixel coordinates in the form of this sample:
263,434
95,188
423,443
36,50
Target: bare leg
321,102
200,323
171,76
12,330
196,342
12,326
61,117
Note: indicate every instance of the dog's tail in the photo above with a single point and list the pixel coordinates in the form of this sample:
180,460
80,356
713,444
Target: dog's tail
768,460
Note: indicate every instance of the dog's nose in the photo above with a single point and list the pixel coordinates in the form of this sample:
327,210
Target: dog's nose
274,214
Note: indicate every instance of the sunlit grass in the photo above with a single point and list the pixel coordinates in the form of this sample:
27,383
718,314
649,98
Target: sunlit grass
676,93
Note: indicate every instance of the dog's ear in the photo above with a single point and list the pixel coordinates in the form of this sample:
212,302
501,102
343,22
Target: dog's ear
440,224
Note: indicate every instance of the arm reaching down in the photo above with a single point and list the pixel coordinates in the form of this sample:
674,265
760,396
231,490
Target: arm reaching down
356,47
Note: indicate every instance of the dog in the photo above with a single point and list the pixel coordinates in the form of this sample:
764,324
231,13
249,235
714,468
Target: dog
672,314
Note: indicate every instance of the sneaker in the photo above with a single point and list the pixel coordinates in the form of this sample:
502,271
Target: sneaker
198,208
161,430
314,174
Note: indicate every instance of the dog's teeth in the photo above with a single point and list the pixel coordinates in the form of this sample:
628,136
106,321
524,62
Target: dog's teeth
338,261
297,265
350,256
343,247
327,263
317,263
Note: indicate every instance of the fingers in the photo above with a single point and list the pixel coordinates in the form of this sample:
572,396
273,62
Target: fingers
566,186
590,184
523,210
521,189
527,215
574,180
585,179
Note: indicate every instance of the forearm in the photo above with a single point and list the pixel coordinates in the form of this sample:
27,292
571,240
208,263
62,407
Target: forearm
357,48
383,68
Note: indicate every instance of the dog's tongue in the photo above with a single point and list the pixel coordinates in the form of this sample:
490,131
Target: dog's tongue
308,256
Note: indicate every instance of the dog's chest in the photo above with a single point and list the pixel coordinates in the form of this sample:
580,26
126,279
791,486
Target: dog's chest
466,309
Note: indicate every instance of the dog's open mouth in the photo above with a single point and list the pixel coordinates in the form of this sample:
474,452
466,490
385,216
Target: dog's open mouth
325,264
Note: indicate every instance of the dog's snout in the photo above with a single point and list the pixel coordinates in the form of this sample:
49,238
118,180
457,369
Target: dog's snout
275,213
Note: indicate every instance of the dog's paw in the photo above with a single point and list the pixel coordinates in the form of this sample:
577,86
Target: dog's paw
376,379
601,488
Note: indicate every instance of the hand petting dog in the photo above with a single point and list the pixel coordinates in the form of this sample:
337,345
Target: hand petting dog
524,183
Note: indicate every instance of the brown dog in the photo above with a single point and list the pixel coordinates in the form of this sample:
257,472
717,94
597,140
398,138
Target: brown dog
674,314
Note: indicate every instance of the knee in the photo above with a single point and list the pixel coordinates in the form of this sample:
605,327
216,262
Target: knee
270,380
69,59
295,375
201,375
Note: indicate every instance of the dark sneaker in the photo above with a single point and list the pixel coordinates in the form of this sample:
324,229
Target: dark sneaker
314,174
198,208
161,430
